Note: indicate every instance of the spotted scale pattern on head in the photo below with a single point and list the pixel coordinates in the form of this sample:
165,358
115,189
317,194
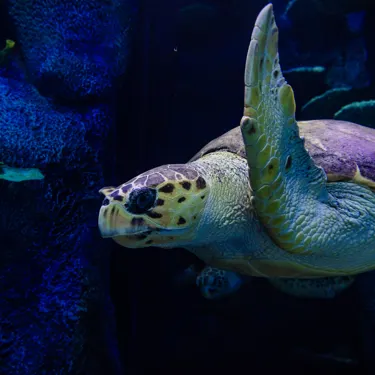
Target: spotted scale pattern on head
158,207
279,164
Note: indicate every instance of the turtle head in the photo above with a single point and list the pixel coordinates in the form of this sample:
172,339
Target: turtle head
161,207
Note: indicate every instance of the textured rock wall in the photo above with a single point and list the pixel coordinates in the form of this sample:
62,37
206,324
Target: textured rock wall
56,89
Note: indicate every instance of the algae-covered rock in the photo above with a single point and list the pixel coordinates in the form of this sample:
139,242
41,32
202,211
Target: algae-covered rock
35,132
360,112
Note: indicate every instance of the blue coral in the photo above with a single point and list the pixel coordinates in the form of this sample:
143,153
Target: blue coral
36,132
53,273
73,49
55,115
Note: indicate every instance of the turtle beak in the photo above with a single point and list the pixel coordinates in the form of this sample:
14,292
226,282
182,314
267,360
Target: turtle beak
114,221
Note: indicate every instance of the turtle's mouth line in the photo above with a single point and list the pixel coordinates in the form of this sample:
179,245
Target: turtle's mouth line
119,224
146,232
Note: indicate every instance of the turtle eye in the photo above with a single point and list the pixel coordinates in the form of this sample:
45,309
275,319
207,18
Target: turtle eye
141,200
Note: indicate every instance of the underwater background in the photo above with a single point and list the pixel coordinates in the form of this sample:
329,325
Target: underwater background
94,92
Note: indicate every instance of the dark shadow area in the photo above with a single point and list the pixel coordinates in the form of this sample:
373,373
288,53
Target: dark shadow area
184,87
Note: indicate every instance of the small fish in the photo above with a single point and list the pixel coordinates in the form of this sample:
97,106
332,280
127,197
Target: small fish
19,174
9,44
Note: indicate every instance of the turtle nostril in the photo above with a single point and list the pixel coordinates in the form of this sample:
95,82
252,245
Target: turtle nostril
141,200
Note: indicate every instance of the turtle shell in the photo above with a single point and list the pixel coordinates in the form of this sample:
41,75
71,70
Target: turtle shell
346,151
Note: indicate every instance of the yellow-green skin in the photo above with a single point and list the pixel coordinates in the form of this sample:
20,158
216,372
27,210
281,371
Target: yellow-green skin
281,220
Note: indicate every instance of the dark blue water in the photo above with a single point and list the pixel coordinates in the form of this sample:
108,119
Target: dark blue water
95,92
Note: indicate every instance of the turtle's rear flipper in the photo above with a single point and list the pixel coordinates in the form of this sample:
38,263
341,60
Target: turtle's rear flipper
215,283
323,288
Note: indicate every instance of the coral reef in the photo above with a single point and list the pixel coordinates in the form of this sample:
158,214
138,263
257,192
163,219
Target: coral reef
53,274
73,49
50,283
55,121
37,132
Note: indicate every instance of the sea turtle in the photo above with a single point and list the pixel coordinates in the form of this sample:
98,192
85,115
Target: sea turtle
271,198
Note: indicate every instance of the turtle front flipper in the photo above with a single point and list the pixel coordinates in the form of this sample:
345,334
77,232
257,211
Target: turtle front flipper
301,212
215,283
